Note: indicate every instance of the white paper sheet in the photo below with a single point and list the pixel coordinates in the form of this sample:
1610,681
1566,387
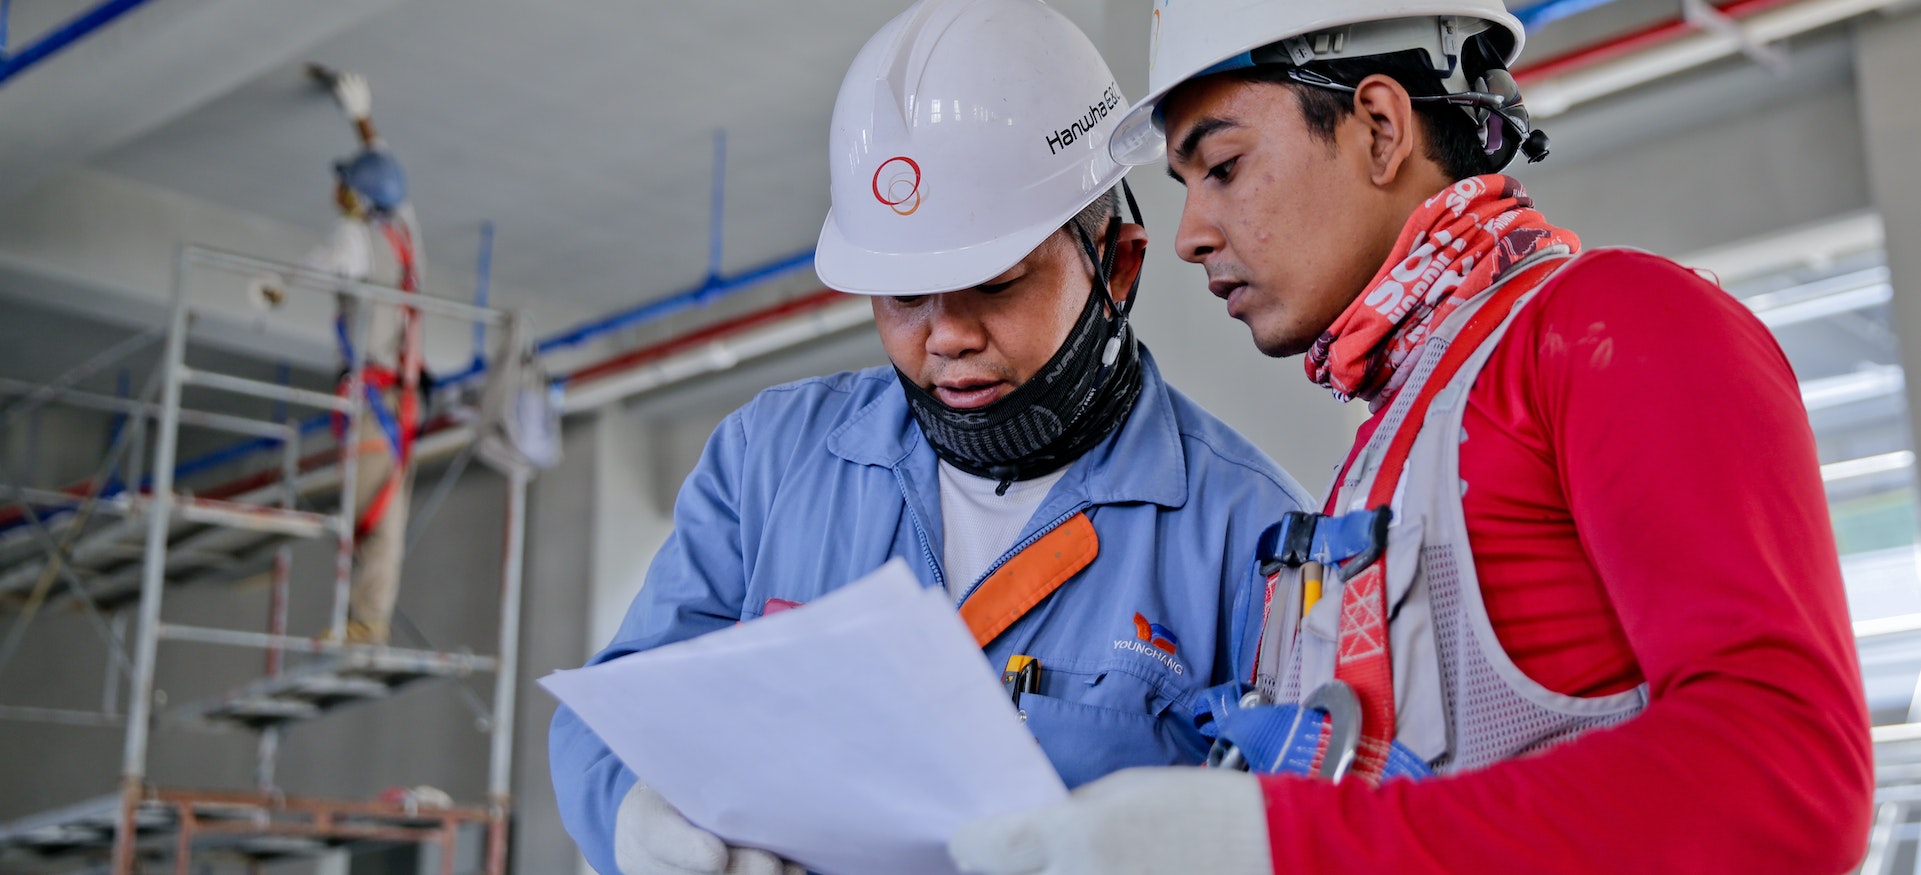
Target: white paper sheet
852,735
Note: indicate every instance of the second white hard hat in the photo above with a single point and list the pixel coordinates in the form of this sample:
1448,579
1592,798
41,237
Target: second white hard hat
1191,38
965,133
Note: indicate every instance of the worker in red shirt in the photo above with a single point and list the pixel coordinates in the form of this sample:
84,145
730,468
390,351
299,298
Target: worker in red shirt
1573,604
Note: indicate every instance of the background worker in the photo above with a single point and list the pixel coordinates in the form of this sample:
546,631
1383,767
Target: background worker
370,190
1023,451
1608,617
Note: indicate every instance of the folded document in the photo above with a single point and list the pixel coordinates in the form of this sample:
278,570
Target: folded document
852,736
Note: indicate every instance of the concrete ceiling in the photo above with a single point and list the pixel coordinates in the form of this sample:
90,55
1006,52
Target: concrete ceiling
583,129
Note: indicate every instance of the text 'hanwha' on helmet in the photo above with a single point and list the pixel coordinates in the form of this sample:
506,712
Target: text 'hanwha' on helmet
965,133
1193,38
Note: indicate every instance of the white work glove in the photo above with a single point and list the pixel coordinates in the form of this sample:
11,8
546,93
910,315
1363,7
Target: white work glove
356,99
1136,822
651,838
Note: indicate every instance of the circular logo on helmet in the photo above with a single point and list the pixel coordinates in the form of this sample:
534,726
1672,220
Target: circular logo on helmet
897,184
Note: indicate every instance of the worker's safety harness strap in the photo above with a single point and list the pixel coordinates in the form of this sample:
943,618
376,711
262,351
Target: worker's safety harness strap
1347,727
401,425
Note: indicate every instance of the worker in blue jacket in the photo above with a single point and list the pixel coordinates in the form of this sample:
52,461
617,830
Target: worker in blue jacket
1023,452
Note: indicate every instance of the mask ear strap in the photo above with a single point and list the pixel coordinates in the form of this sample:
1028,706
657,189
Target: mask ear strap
1104,271
1104,263
1133,289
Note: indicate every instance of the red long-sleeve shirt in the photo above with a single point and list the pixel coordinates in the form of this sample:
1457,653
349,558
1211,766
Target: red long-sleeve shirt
1643,503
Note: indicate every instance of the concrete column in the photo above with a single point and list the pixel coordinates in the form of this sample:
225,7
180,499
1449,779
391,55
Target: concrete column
1888,70
554,617
629,523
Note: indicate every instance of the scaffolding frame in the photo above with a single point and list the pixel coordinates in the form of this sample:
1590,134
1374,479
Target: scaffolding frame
270,514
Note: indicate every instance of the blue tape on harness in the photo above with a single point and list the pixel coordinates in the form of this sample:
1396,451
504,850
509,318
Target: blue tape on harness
386,420
379,408
1301,537
1284,739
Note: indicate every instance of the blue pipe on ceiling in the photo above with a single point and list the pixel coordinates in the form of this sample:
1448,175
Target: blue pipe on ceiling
63,36
711,289
1535,16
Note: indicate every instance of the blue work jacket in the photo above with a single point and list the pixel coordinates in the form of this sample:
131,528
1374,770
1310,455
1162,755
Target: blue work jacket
816,483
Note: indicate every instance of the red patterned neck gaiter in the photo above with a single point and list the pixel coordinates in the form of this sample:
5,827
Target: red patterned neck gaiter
1456,245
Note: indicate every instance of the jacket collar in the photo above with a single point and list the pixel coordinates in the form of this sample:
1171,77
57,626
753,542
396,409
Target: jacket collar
1142,461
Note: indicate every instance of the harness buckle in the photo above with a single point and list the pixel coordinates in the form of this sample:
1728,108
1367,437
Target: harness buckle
1286,738
1349,540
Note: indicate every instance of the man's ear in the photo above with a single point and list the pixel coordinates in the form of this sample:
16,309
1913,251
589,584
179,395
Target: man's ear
1389,123
1129,253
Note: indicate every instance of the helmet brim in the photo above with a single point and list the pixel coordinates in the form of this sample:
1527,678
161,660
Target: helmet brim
846,266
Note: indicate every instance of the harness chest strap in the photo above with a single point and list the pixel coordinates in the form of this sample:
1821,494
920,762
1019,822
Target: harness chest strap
1031,576
403,426
1362,659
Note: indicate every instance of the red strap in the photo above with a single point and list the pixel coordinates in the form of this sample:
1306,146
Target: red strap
1362,659
379,379
1472,335
377,508
382,380
400,238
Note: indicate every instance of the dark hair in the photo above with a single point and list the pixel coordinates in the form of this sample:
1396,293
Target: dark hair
1453,139
1093,218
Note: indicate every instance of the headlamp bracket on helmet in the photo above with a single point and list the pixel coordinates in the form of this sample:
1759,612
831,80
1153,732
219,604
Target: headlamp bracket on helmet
1486,108
1492,99
1440,39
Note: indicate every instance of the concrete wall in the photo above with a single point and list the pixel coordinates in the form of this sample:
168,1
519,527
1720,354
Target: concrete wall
1792,157
557,612
1889,69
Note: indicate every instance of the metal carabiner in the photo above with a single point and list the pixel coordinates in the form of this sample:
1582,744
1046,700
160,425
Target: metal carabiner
1343,709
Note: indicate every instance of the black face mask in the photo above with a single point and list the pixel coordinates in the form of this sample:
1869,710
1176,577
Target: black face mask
1080,396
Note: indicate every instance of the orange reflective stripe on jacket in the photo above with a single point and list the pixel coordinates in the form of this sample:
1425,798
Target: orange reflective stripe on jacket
1032,575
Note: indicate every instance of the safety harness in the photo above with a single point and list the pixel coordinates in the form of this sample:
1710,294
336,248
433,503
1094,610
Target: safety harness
402,424
1347,725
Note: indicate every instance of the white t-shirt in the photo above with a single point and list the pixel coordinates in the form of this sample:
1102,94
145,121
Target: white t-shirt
978,526
348,252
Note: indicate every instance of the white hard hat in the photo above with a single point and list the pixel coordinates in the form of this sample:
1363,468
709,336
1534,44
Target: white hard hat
1191,38
965,133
